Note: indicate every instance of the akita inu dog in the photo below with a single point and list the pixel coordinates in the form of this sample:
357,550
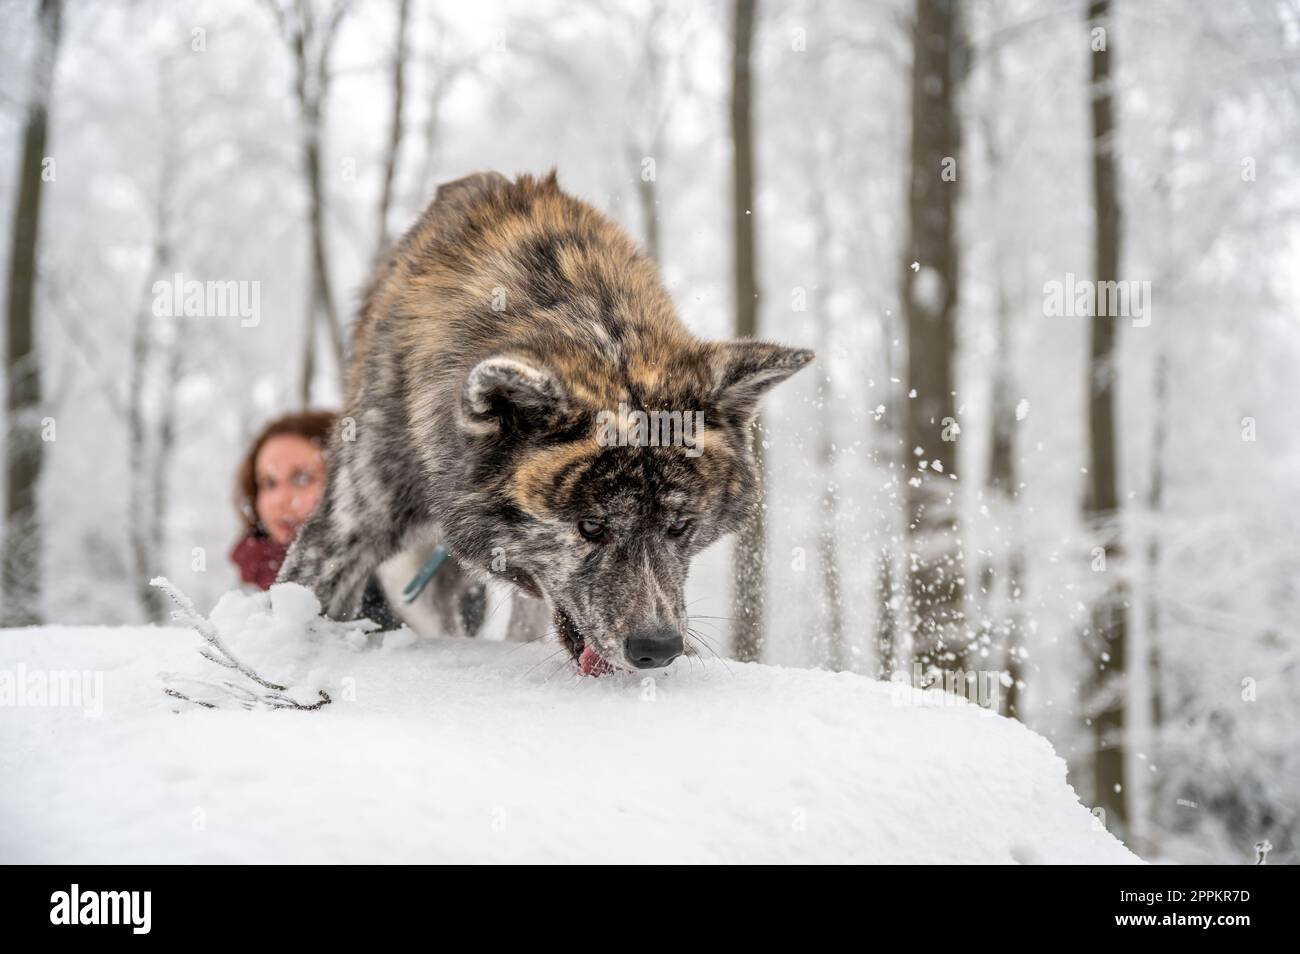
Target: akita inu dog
502,335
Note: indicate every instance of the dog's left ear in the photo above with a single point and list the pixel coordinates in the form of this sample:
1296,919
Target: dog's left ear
743,371
504,394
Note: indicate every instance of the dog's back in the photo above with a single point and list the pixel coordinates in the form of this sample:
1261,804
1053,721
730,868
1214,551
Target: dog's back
493,265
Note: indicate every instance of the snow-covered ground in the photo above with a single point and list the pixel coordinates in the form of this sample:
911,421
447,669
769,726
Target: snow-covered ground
476,750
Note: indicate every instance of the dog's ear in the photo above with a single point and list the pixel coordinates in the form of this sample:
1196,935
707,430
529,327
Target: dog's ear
745,370
453,196
505,395
446,213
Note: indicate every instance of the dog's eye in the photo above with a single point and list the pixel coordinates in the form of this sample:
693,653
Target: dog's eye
679,526
593,530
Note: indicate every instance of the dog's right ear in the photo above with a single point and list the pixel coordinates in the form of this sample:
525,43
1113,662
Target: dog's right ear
505,395
445,214
462,191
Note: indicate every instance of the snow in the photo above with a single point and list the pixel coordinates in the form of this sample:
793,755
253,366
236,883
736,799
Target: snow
488,751
928,289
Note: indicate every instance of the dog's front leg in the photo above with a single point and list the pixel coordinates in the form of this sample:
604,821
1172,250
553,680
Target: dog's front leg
332,556
321,563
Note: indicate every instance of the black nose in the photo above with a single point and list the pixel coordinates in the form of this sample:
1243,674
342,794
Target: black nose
654,647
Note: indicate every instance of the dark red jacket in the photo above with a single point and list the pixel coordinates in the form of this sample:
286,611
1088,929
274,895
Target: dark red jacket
259,559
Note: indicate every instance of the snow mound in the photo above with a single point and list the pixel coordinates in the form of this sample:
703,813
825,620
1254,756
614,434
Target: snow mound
469,750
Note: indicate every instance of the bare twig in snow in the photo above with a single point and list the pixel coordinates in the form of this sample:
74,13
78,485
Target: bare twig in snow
216,651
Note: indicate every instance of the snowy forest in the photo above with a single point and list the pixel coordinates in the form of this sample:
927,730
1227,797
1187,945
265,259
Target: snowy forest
1045,250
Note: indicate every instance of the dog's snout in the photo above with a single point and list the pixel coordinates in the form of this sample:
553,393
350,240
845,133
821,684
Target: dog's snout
653,647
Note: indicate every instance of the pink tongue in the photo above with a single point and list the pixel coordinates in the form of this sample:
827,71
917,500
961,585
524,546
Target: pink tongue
591,663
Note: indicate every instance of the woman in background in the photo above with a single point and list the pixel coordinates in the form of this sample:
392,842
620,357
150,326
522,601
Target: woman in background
280,482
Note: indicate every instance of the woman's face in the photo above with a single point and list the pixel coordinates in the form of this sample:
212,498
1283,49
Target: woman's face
290,473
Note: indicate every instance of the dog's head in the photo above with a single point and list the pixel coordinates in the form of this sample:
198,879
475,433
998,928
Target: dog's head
602,445
600,509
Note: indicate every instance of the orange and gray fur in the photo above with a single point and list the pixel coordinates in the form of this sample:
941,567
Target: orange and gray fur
499,328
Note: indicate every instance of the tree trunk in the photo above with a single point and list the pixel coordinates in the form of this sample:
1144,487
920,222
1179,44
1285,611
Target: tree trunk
310,46
1014,657
1002,576
1106,642
1156,493
22,554
395,127
886,620
441,75
308,353
889,647
141,505
144,509
837,650
930,283
655,99
645,190
166,445
1155,502
1146,830
1004,590
750,557
320,294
